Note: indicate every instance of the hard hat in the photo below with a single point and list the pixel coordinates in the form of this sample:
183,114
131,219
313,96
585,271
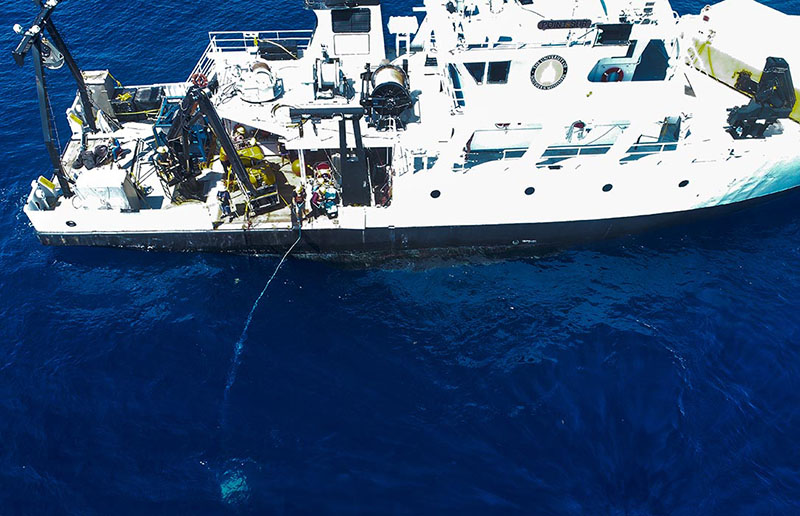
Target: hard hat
240,129
162,149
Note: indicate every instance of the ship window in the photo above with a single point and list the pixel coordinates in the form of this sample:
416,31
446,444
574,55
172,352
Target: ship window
561,152
476,70
498,144
614,33
670,130
350,20
631,48
595,150
645,148
654,62
424,162
498,72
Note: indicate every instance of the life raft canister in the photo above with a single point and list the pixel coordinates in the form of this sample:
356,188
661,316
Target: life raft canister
617,74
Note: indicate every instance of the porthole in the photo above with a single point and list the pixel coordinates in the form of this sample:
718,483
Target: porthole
683,183
436,194
530,190
608,188
71,223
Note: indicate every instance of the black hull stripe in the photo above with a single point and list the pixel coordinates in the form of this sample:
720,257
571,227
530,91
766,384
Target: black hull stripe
547,235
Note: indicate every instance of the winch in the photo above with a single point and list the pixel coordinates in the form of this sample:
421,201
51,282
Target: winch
257,83
329,79
386,95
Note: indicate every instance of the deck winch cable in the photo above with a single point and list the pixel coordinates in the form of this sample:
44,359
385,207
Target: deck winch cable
277,45
239,346
54,124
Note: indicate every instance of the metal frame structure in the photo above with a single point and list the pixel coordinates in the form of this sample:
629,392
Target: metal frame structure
196,109
354,172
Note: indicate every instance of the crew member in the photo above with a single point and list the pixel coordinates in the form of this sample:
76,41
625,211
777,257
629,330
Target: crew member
300,201
224,198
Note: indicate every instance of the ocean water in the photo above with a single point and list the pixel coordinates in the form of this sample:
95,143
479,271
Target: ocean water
651,375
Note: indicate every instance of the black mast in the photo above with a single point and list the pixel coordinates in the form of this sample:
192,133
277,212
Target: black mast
47,123
32,42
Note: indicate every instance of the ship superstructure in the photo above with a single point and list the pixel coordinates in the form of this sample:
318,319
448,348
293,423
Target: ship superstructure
486,123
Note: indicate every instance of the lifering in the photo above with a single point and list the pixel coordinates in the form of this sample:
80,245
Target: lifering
199,80
618,74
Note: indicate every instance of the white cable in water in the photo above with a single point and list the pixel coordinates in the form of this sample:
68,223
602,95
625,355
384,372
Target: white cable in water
239,347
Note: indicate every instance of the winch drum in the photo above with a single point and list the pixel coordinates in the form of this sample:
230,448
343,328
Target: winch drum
390,83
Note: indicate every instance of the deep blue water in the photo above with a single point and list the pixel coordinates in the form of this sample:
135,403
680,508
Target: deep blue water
651,375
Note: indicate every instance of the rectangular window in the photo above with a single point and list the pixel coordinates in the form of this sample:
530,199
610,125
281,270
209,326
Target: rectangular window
594,150
560,151
514,154
498,144
476,70
498,72
645,148
351,20
614,33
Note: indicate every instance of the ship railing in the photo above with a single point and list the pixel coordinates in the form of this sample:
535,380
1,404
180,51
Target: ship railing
294,42
456,96
497,45
401,162
315,4
206,63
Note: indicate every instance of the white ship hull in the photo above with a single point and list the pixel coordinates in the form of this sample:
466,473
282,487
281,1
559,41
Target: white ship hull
343,244
509,140
736,193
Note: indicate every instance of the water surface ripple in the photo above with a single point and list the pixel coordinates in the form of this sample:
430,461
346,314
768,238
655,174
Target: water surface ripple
651,375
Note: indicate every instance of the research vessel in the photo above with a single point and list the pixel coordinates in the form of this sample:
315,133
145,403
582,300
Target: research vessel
468,124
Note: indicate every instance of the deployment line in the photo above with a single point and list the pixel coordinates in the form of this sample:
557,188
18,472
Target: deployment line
239,347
